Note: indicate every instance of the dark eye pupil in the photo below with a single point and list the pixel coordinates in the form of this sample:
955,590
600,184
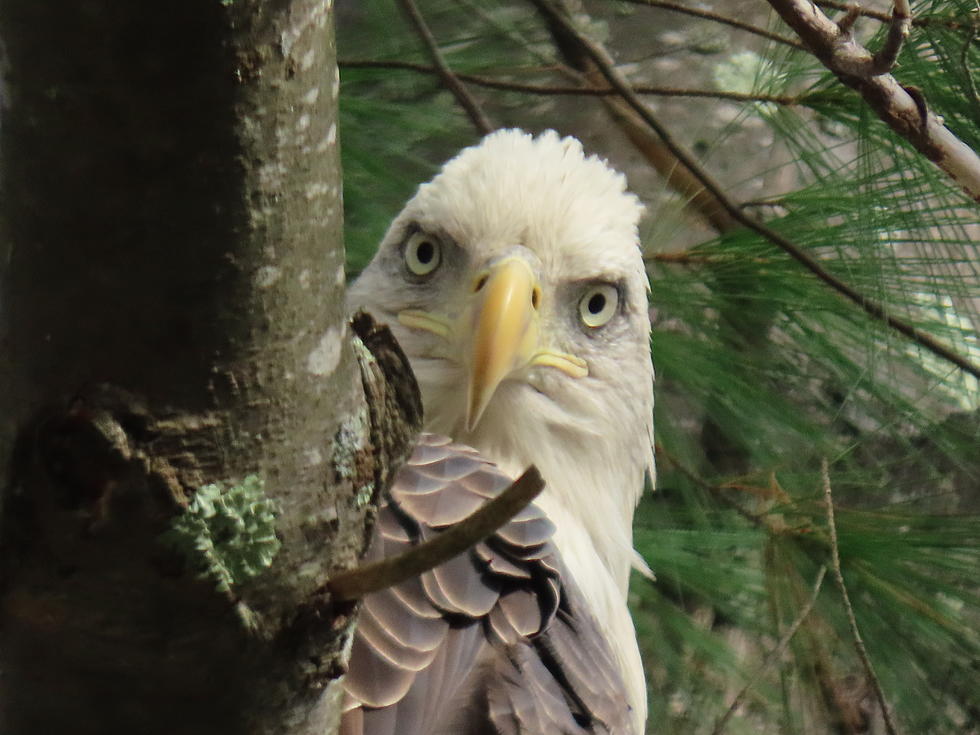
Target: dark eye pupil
597,303
425,252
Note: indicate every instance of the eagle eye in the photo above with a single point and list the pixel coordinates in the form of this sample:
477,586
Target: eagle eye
422,254
598,305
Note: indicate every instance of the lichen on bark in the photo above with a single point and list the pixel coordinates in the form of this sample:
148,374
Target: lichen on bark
227,533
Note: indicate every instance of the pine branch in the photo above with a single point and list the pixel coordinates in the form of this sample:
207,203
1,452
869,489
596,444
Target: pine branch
903,109
615,79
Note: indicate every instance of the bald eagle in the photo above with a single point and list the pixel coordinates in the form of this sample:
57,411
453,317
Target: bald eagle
515,285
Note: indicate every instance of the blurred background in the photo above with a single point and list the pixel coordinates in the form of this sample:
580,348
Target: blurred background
764,371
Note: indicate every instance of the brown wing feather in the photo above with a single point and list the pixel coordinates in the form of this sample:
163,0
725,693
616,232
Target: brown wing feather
495,641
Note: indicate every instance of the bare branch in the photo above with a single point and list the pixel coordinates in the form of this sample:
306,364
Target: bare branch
718,18
615,79
774,655
902,108
564,90
450,79
356,583
852,621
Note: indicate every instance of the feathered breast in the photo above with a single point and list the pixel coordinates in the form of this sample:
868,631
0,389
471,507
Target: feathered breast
497,640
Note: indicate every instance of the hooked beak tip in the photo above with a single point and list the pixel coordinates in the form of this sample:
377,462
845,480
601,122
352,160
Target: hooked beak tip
504,334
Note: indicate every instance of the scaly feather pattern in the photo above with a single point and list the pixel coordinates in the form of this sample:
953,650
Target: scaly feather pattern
497,640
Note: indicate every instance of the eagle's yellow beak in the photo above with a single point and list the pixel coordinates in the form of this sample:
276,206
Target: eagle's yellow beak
505,333
497,332
505,330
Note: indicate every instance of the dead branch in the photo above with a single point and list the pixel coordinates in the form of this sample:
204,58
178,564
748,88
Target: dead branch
883,60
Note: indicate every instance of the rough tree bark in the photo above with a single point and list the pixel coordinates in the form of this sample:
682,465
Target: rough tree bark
171,316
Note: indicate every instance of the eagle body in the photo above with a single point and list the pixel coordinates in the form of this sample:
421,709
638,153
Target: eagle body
515,284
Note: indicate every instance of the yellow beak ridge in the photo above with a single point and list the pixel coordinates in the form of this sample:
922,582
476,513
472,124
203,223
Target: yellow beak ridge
505,333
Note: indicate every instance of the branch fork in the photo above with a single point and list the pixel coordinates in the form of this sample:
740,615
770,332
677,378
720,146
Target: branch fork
904,111
850,57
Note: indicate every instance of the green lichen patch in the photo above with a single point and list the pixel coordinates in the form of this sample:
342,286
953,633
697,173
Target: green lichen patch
228,534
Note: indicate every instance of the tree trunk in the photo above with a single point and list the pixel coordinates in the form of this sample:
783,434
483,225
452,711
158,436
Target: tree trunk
173,326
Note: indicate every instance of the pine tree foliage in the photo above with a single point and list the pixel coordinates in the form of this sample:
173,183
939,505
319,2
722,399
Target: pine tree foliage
763,370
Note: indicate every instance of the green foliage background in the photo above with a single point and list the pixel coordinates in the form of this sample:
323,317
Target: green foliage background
762,370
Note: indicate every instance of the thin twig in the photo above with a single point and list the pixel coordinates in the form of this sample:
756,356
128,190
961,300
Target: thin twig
564,90
774,655
718,18
356,583
851,619
450,79
872,308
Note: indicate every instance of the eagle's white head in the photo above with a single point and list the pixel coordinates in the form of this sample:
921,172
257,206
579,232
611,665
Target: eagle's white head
515,284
